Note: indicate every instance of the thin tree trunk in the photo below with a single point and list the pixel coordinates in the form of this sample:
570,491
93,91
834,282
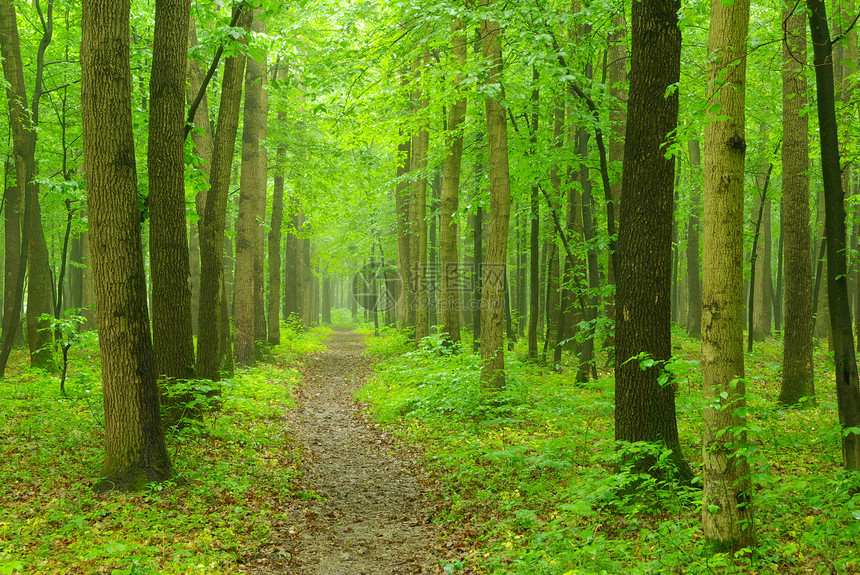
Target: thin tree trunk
275,234
847,389
449,257
534,229
210,341
694,281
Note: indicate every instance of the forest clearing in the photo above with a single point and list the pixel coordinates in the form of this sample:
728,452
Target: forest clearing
468,286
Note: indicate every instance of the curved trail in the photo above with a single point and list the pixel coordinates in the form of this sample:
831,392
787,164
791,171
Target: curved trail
372,517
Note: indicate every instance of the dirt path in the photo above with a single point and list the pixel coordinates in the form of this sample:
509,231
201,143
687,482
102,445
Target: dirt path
371,518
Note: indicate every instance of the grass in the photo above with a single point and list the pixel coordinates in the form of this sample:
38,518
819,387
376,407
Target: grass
236,467
533,472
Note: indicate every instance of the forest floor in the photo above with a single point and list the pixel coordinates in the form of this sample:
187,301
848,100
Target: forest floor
366,505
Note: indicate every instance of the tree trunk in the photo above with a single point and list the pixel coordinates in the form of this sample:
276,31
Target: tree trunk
449,257
40,337
727,512
326,299
477,273
493,290
797,368
847,389
252,193
534,229
135,451
402,202
201,136
210,345
12,207
173,342
418,222
275,234
645,407
694,281
763,304
617,72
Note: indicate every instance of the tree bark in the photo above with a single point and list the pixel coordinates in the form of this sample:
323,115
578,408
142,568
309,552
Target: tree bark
493,289
449,257
645,406
173,342
275,233
797,368
694,280
135,451
210,346
252,193
201,136
534,228
847,389
727,512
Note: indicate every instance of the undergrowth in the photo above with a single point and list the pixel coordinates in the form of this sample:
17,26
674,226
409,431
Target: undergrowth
535,473
232,470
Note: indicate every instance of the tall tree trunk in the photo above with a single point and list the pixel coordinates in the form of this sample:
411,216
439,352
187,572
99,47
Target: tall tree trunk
477,273
694,280
275,233
534,228
727,512
135,451
493,290
449,236
40,337
586,358
763,304
617,72
173,344
402,202
209,343
23,150
418,219
797,370
252,193
645,409
449,257
847,389
292,267
326,299
12,208
202,138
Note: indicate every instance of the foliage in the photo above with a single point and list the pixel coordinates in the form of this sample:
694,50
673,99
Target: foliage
538,474
233,471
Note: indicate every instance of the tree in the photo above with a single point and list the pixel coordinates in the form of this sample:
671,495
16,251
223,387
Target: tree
252,193
210,343
727,512
33,252
135,451
274,238
644,403
493,290
171,290
847,388
694,280
23,149
797,369
449,257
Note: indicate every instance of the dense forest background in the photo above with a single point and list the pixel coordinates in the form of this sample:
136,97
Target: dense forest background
578,186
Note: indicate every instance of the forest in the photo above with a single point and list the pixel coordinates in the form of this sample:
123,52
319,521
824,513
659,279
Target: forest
463,286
